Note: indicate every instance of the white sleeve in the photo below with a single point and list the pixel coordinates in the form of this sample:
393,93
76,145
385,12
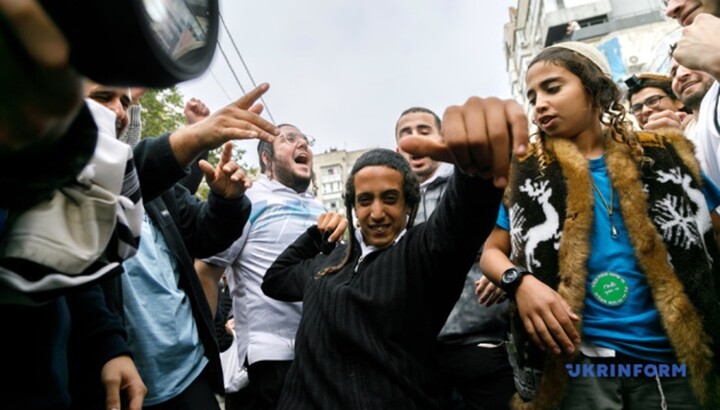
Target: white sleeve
229,255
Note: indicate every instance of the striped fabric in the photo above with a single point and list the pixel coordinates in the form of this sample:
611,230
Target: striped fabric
126,239
367,332
82,233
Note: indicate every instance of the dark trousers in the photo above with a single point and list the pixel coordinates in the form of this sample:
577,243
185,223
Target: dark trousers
266,382
475,377
199,395
34,370
239,400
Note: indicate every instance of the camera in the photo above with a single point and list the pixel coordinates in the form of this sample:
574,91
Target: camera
150,43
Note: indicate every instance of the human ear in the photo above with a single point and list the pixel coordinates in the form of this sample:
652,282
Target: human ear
265,158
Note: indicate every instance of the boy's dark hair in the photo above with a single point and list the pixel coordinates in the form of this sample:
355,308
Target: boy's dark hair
411,191
386,158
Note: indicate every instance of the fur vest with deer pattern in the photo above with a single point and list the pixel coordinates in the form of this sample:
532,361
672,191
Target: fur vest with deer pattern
664,211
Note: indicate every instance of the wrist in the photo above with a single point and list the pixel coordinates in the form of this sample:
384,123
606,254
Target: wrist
185,145
511,280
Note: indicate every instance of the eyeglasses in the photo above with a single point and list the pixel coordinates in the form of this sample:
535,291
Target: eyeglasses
293,138
650,102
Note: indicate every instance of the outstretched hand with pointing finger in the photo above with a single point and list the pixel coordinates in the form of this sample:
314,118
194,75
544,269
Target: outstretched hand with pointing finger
238,120
478,137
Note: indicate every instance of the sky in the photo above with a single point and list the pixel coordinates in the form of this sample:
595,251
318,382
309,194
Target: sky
343,71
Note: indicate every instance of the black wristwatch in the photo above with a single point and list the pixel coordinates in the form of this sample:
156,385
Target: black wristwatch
511,280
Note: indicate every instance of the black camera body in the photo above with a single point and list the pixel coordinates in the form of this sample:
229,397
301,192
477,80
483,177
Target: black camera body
150,43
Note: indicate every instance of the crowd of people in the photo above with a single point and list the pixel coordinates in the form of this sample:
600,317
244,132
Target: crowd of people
474,266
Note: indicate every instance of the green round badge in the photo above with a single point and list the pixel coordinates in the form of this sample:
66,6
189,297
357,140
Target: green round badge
610,289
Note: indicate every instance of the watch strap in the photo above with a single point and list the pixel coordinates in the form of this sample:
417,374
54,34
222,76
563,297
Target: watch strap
509,287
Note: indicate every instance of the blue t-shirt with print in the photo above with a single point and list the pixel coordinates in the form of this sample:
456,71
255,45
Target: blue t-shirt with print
632,327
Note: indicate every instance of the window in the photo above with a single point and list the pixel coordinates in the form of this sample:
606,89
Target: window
332,171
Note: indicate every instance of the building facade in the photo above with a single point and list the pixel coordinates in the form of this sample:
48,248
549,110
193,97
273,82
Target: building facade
331,169
635,35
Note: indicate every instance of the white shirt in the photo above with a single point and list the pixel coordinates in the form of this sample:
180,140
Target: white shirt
707,134
266,327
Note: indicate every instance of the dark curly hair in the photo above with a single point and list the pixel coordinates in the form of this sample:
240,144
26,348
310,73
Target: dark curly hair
604,95
411,191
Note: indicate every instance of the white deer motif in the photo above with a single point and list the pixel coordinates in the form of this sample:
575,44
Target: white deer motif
704,223
544,231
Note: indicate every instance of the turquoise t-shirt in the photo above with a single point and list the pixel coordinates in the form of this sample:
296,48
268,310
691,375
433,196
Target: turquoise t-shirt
631,324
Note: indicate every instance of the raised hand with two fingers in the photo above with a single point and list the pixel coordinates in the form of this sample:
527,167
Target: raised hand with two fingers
227,178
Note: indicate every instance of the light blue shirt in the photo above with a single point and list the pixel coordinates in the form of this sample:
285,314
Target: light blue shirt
266,327
162,333
634,327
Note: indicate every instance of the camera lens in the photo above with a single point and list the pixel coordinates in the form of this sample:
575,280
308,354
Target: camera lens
151,43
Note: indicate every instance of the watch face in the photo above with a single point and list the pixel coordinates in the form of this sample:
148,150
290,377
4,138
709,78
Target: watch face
510,276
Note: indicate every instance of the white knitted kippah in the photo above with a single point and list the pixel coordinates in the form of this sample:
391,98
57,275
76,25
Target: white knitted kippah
589,52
